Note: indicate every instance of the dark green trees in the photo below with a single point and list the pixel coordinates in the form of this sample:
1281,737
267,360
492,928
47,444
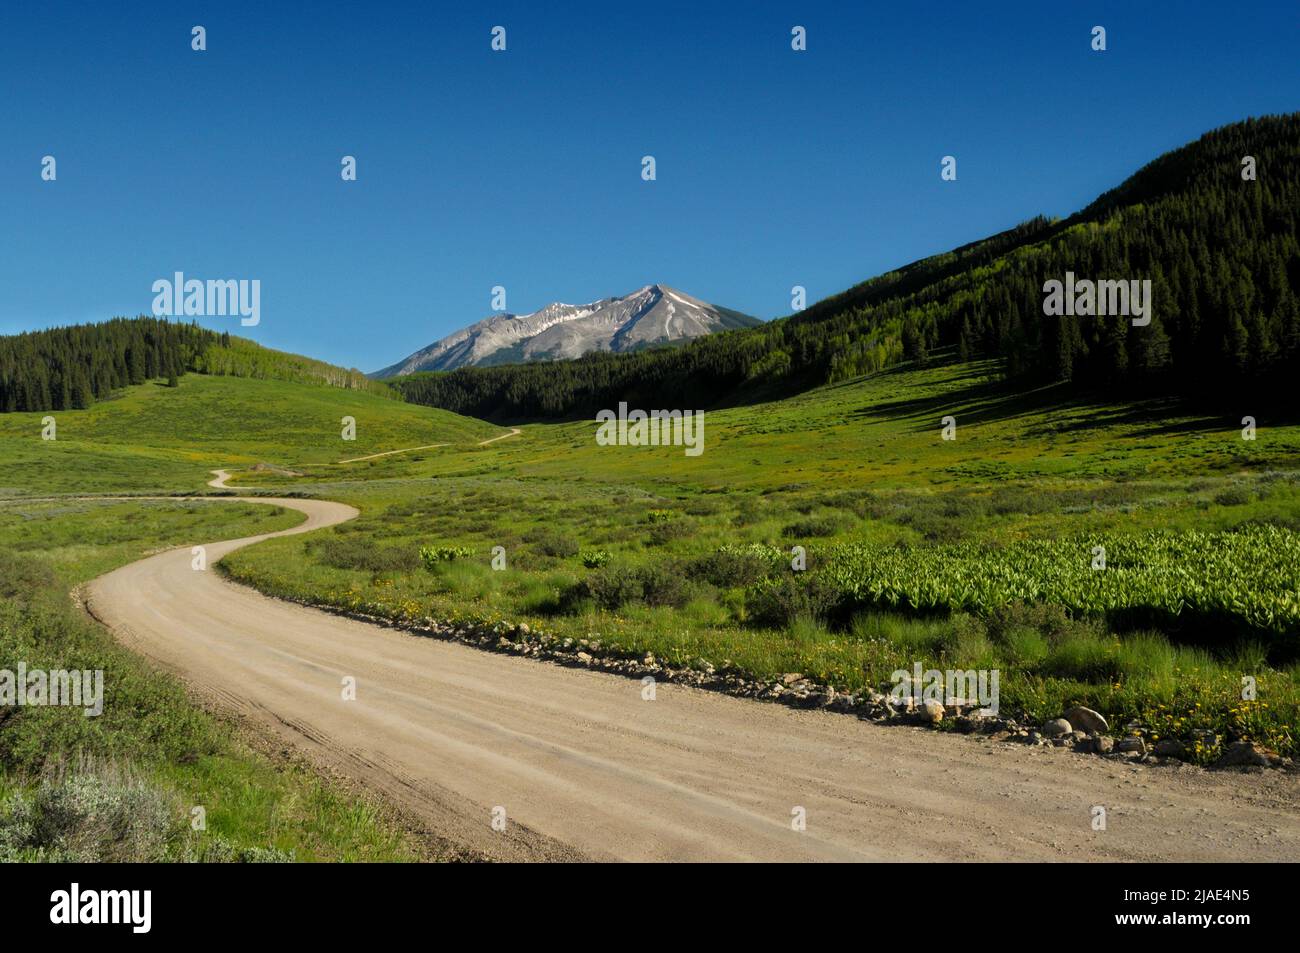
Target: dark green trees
69,368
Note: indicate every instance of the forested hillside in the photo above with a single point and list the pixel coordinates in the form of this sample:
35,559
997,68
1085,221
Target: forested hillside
1220,251
70,368
239,357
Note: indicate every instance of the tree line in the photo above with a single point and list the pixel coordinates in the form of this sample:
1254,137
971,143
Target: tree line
70,368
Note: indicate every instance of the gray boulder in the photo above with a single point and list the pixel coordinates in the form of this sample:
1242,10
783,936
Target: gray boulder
1056,728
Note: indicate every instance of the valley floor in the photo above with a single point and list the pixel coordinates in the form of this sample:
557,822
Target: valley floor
649,551
579,764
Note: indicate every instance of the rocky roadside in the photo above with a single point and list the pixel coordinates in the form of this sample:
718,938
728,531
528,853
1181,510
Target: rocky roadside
1080,729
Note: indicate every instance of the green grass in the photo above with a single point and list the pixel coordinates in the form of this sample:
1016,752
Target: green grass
1245,581
153,438
857,463
151,754
81,539
650,550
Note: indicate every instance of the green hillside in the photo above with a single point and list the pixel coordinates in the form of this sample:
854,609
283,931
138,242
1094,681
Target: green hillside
649,550
70,368
155,438
239,357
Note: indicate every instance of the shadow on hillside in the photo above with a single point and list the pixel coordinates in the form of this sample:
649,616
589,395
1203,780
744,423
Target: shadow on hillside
973,399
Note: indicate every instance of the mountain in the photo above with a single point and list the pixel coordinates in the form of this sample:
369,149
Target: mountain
1221,250
655,314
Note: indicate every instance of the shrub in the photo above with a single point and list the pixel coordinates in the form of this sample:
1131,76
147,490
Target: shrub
22,575
1233,496
811,527
935,527
665,585
215,849
347,553
734,566
612,587
594,559
84,818
433,555
778,602
661,533
1006,624
748,512
551,543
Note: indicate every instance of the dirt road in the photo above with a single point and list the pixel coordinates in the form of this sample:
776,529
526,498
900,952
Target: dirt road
579,765
514,432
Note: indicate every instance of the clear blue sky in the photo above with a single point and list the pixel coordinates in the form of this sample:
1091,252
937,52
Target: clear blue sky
522,168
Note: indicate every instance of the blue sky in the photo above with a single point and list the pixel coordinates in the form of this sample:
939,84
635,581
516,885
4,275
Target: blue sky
522,168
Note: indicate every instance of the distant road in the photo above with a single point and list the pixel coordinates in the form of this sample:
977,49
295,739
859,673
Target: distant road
514,432
582,766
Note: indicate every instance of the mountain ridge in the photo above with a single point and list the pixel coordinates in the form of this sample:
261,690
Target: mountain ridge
652,315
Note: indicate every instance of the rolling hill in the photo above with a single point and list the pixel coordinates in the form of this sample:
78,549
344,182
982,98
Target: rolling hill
155,438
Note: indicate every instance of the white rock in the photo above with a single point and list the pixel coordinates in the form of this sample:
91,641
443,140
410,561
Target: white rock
1085,719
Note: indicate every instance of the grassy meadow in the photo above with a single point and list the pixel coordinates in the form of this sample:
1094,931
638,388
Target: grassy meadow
156,439
121,786
649,550
969,553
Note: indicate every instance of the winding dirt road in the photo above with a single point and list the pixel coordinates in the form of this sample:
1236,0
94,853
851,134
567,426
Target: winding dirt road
581,766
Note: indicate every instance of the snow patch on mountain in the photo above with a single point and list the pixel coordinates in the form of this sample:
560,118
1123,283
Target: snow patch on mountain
652,315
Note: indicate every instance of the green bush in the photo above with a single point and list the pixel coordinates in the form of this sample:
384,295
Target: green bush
431,556
1233,496
779,602
812,527
665,585
737,566
550,543
663,533
215,849
84,818
612,587
22,575
357,553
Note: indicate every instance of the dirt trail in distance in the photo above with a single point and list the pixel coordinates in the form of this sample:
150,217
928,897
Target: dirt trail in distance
514,432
